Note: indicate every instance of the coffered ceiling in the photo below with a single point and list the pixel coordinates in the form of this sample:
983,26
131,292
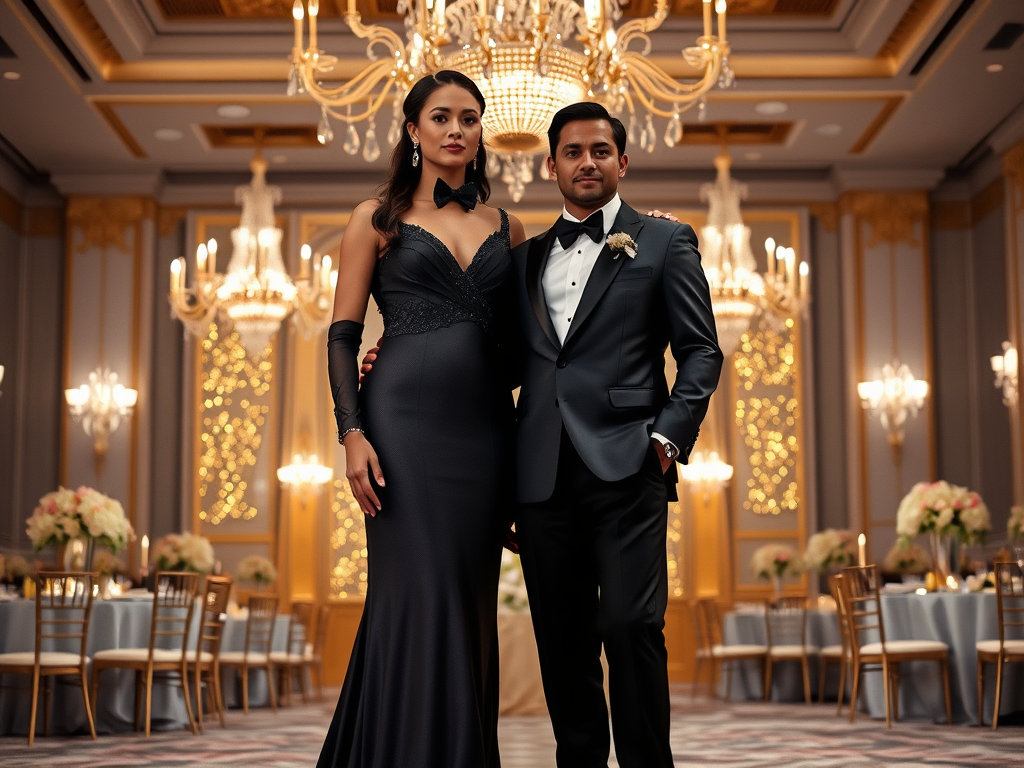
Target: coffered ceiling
181,86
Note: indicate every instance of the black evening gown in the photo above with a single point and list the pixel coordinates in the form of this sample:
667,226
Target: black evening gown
422,685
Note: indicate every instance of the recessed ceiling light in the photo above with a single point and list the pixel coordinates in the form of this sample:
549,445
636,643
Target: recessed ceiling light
994,68
279,159
771,108
12,75
829,129
233,111
167,134
753,155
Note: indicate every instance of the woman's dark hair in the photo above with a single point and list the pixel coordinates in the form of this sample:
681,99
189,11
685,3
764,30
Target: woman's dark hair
585,110
396,193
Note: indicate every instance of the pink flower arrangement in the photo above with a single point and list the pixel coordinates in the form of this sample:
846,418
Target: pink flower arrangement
776,560
64,515
183,552
948,510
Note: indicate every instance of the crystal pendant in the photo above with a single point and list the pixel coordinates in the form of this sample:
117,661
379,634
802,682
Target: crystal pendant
544,170
493,164
371,149
652,135
351,145
324,132
294,83
727,76
674,131
702,109
631,133
524,169
516,189
394,132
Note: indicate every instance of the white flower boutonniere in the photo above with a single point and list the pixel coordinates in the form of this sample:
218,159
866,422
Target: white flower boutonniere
619,242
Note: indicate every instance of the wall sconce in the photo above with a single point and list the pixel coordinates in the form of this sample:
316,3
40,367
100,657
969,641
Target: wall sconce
305,475
100,405
1004,366
707,472
893,399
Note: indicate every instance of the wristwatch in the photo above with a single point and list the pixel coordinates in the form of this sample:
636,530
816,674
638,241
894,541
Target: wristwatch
670,451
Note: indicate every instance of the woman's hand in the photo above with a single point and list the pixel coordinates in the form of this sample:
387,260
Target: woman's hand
359,455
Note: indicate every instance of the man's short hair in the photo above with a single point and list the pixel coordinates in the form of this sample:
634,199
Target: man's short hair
585,110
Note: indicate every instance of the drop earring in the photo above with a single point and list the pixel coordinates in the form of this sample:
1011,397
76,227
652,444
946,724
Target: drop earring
415,154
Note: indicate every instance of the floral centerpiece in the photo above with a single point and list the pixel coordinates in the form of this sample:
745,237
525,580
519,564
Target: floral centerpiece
1015,525
183,552
107,563
257,570
830,548
773,562
946,513
64,515
511,585
907,558
16,568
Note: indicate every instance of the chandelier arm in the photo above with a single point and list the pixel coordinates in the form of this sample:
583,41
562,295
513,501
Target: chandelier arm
641,27
373,105
376,33
664,88
358,89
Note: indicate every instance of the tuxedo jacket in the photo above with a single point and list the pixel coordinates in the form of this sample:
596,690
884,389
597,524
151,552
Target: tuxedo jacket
606,383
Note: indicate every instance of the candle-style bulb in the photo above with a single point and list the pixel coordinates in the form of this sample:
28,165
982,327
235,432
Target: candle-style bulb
297,12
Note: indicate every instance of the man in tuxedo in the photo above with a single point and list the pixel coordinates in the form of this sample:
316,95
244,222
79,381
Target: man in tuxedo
600,296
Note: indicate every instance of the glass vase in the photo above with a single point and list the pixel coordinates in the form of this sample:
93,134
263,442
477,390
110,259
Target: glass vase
776,587
940,556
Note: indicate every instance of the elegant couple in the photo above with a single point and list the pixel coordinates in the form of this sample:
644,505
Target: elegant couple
579,317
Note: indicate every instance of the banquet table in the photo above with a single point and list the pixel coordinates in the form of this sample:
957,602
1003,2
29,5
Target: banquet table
114,624
957,619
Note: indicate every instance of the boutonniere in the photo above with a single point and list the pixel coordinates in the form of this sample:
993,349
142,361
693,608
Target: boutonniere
619,242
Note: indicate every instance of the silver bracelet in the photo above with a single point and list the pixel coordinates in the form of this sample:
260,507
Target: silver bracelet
341,437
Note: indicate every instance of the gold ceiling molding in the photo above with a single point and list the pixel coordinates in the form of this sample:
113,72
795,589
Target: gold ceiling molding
786,8
827,215
1013,170
104,221
222,136
110,116
233,10
875,127
734,132
88,33
910,29
892,216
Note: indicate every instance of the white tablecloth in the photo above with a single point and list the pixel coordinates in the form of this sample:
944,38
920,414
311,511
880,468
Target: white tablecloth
959,620
114,624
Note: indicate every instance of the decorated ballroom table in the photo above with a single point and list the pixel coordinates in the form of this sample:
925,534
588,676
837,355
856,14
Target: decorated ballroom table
959,620
120,623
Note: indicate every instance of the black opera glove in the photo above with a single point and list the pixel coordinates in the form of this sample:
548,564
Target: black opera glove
343,340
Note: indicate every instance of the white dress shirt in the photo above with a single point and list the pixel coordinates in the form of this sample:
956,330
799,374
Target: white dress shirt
566,274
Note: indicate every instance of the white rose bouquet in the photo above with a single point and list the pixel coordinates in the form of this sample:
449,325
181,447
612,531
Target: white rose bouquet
830,547
909,558
1015,525
773,560
256,569
511,586
947,510
107,563
64,515
183,552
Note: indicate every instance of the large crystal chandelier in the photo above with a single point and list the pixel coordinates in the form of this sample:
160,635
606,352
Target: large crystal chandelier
256,293
530,58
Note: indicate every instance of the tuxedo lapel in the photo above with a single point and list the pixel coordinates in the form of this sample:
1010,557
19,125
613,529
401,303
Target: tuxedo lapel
606,268
536,260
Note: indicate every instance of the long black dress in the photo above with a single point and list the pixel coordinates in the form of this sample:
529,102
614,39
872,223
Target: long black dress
422,685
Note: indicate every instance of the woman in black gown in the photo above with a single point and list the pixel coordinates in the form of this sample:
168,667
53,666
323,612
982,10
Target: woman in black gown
426,442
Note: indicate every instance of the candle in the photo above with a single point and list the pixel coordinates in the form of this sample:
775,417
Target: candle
305,254
297,14
769,246
201,255
707,18
805,272
791,268
481,8
720,7
862,559
145,553
175,272
325,273
439,14
211,248
314,9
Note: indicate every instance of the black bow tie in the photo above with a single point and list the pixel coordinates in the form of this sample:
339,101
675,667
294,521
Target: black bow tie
568,232
466,195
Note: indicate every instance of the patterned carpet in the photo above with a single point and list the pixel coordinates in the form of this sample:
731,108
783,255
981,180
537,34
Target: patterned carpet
703,734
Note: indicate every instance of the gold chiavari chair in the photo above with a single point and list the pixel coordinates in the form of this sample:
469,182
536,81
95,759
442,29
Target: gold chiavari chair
863,604
63,607
292,660
259,637
1010,612
204,661
785,622
836,654
703,648
725,654
166,658
314,652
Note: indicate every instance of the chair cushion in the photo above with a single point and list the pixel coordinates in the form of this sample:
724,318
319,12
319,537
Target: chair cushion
46,659
727,651
137,654
283,657
904,646
832,652
206,657
988,646
239,657
792,651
